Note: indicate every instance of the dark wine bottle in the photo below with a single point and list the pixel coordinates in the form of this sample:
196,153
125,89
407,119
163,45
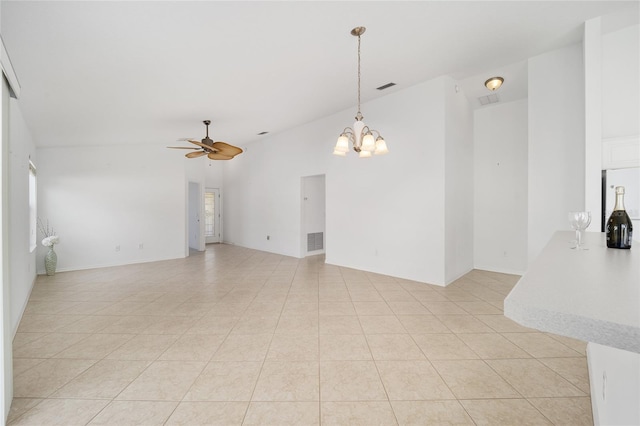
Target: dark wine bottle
619,226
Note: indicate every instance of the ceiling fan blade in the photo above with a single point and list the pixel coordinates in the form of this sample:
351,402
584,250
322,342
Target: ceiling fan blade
181,147
200,144
226,149
195,154
218,156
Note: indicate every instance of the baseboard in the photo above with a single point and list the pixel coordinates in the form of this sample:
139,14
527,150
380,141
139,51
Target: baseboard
499,270
24,307
110,265
449,281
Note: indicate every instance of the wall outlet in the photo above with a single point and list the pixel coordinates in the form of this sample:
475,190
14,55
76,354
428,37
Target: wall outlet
117,248
140,246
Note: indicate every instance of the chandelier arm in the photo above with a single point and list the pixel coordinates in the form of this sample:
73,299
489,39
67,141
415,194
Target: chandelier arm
350,134
376,132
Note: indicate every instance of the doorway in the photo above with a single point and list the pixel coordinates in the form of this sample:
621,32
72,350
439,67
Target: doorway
313,215
212,214
195,213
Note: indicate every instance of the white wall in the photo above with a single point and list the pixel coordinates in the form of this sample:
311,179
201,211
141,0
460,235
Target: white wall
500,192
195,170
384,214
621,85
593,85
262,193
556,154
213,173
6,355
612,98
101,197
23,260
388,215
459,186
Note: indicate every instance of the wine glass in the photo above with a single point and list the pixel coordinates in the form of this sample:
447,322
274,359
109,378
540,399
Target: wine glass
579,222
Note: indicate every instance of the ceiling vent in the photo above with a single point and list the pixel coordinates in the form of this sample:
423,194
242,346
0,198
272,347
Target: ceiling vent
489,99
386,86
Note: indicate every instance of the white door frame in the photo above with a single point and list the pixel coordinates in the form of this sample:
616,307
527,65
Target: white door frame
312,220
195,213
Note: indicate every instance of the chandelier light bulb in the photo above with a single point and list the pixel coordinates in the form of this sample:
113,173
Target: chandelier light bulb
381,146
343,144
368,143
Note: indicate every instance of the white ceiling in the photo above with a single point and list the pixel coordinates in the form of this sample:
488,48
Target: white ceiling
150,72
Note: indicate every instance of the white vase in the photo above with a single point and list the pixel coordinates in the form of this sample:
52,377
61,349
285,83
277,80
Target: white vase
50,261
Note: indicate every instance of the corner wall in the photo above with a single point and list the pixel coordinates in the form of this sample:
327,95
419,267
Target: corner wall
556,154
23,260
104,201
388,215
383,214
459,184
500,192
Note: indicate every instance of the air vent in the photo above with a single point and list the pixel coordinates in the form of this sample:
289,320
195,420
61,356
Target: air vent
489,99
315,241
262,133
386,86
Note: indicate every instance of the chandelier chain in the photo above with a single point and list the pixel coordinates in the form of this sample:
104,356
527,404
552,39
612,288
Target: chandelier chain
358,74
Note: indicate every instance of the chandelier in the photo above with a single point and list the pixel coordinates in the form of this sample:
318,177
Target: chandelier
360,136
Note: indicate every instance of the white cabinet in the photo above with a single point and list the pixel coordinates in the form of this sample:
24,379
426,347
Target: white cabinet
592,295
614,376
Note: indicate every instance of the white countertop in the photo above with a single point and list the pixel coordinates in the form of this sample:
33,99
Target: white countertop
591,295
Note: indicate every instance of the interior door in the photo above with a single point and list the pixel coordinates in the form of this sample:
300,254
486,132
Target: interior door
212,215
194,214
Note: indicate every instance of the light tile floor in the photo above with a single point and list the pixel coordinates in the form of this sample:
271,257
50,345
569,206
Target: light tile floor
237,336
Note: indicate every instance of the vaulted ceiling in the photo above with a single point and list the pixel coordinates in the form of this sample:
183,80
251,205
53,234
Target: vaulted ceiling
149,72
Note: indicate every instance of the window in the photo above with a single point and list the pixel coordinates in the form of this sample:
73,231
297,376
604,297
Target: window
209,214
33,210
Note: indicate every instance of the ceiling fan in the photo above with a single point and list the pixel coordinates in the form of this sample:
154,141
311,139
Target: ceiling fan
214,150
